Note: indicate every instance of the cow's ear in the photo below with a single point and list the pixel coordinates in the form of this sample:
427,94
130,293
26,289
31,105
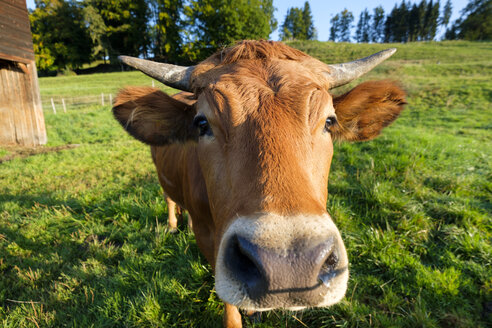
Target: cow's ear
153,117
365,110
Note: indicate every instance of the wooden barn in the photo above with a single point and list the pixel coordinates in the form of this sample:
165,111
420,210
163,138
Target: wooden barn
21,114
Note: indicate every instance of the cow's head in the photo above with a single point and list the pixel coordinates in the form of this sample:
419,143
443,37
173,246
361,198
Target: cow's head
264,123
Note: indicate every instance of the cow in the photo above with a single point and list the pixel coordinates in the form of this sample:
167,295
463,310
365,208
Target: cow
246,149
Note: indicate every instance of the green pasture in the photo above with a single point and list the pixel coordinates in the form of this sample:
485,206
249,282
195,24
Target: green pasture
82,231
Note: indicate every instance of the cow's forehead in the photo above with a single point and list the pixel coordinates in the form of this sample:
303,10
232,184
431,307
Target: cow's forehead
273,72
247,86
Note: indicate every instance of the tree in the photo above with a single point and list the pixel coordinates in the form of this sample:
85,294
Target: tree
298,24
477,24
335,27
401,22
60,37
346,20
212,24
363,27
97,31
311,33
446,14
389,25
377,32
413,23
167,28
293,26
431,20
127,28
421,29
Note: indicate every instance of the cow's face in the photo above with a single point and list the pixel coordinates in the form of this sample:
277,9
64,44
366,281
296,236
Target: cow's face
263,129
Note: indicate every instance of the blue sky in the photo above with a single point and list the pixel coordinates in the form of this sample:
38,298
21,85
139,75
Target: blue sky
324,10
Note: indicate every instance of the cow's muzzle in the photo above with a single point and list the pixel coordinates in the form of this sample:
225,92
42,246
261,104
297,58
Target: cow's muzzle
272,261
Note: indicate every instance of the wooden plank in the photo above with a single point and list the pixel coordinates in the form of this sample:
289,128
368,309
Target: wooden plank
9,30
29,106
15,58
15,38
21,115
20,4
8,101
16,52
17,17
41,137
14,41
15,24
26,103
18,111
7,129
14,10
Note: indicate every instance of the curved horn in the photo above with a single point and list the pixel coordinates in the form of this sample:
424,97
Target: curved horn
340,74
175,76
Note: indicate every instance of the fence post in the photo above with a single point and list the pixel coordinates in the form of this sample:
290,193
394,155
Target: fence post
64,107
53,105
110,99
102,99
153,85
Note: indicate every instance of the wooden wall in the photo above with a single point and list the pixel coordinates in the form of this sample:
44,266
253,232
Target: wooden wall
21,114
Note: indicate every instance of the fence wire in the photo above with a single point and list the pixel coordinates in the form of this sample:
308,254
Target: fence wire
62,104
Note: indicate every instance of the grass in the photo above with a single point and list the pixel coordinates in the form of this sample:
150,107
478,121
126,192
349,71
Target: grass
82,231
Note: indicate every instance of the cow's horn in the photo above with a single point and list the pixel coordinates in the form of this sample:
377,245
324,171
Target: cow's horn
341,74
175,76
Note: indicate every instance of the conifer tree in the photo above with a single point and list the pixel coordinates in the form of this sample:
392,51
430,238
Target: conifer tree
389,25
363,31
476,24
446,14
431,20
298,24
377,31
335,27
346,20
311,33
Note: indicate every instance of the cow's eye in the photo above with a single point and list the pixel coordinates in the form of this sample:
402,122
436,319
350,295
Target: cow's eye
200,122
330,121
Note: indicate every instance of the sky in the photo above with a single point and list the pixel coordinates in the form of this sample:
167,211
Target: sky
324,10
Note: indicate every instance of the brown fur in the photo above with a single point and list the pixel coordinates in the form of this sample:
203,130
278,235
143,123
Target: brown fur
364,111
267,104
153,117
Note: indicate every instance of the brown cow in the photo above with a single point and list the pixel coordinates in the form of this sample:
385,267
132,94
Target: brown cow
247,152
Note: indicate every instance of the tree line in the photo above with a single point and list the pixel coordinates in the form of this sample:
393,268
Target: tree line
409,22
71,33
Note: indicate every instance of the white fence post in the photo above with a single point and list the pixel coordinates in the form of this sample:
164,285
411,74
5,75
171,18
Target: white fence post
64,107
53,105
153,85
110,99
102,99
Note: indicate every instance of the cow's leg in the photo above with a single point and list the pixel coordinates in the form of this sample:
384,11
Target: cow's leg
172,221
190,222
179,215
232,317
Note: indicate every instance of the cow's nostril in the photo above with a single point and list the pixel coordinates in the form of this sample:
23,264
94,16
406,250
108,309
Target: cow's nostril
328,269
332,261
243,262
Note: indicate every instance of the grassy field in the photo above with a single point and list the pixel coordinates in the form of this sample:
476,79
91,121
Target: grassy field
82,231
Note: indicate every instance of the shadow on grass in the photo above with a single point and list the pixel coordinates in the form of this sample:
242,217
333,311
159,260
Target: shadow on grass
106,263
